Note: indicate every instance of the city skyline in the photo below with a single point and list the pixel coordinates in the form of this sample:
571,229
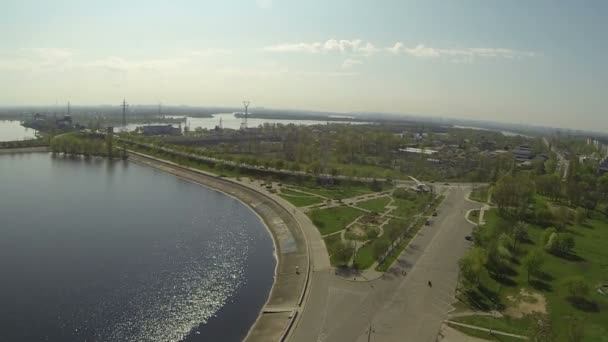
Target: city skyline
539,64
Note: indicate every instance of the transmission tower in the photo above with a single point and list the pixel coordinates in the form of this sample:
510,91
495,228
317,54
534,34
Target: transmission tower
124,112
246,105
68,108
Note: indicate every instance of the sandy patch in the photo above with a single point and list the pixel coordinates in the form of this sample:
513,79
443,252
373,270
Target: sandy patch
526,303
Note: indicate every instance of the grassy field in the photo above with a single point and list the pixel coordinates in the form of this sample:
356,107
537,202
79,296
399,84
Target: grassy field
331,242
364,258
589,260
509,325
376,205
334,219
480,194
338,192
474,215
299,199
484,335
411,206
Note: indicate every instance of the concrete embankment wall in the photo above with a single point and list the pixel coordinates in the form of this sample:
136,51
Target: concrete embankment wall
291,249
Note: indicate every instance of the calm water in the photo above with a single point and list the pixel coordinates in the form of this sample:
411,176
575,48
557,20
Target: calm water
11,130
230,121
112,251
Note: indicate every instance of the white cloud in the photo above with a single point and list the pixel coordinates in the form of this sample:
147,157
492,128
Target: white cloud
460,54
345,46
395,49
349,63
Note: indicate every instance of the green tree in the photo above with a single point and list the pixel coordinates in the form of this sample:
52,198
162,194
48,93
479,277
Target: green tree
580,215
471,266
566,243
577,287
520,233
602,186
533,261
379,247
547,234
343,252
513,195
552,244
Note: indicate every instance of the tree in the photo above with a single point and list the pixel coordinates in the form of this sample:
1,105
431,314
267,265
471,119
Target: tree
579,216
506,241
514,194
565,243
552,244
561,218
602,186
520,233
471,266
533,261
577,287
343,252
379,247
547,234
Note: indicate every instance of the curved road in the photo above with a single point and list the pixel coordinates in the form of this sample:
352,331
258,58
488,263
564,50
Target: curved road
397,307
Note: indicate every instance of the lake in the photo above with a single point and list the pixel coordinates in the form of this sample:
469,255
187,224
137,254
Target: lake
98,250
11,130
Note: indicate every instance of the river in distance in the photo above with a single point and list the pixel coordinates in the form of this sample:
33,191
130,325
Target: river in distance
98,250
228,120
11,130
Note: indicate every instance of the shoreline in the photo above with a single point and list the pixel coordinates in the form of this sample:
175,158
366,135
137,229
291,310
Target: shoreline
280,311
24,150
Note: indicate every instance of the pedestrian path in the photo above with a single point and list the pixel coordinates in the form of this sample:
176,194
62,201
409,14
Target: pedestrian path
490,331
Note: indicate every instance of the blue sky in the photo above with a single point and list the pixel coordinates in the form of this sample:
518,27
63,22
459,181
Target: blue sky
540,62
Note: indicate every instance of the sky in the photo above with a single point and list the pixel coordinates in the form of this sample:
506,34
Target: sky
527,62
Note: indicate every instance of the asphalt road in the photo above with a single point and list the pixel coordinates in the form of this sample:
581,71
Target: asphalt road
398,306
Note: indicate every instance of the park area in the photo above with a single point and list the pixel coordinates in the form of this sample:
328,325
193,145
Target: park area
542,275
363,226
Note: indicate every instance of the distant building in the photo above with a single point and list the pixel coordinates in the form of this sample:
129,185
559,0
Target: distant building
160,130
65,122
603,166
413,150
523,153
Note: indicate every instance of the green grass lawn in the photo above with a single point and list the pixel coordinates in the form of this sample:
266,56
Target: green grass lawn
411,207
506,324
302,201
341,192
590,262
483,334
474,215
299,199
480,194
331,242
334,219
376,205
364,258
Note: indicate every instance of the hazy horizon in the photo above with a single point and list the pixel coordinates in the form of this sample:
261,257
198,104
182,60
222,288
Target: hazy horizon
537,64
